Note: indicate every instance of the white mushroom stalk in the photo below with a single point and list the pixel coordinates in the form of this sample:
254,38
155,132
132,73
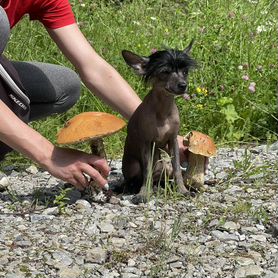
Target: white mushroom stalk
199,146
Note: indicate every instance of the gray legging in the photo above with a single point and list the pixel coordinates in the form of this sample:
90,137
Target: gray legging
50,88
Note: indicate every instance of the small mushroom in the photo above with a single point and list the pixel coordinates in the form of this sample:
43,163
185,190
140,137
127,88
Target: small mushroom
199,146
90,127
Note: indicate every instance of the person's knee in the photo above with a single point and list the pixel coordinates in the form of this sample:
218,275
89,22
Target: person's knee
71,90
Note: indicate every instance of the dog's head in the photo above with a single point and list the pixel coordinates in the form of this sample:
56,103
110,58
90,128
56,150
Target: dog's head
167,70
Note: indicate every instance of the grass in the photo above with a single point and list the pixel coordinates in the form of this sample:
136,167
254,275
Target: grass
234,41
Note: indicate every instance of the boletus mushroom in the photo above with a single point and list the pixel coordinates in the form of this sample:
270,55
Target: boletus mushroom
90,127
199,146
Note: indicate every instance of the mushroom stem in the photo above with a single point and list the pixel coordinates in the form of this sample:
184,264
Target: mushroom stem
194,174
97,147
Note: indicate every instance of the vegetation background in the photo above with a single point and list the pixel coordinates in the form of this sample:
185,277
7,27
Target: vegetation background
233,93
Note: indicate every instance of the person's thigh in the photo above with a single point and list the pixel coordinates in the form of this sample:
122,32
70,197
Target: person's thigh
50,88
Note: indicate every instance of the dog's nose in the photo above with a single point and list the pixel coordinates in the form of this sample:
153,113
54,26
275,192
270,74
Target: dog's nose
182,86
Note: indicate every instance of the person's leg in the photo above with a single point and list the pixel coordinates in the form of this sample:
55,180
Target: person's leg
51,88
4,30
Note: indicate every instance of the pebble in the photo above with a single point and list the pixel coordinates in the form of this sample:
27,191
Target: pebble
249,271
227,231
82,204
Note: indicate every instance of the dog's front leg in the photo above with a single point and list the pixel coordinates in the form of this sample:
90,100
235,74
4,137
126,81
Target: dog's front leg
146,166
175,156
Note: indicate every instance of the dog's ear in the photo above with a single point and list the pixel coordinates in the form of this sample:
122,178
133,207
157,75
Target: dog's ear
187,50
135,61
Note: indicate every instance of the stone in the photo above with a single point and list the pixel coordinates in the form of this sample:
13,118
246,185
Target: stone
82,205
231,226
260,238
70,272
118,242
62,259
51,211
4,182
224,236
40,217
250,271
32,170
96,255
243,261
106,227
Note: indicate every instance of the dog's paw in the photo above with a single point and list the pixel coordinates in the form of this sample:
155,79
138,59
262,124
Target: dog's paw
137,199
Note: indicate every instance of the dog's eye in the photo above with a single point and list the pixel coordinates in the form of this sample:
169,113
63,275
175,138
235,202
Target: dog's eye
185,72
166,71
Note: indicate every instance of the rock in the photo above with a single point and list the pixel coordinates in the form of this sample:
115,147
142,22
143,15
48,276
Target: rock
260,238
51,211
231,226
118,242
32,169
62,259
4,182
82,205
131,262
106,227
243,261
224,236
70,272
92,230
273,147
114,200
40,217
96,255
250,271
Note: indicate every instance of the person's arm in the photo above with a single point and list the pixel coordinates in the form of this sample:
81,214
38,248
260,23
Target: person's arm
98,75
66,164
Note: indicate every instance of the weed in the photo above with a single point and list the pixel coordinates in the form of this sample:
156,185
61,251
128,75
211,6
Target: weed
62,199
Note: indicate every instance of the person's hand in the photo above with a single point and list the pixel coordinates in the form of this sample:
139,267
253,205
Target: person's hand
73,166
184,154
183,150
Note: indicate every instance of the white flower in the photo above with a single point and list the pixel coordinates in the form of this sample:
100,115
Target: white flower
260,29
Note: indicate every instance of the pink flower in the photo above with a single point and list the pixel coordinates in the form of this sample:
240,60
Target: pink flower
186,97
245,77
153,50
252,87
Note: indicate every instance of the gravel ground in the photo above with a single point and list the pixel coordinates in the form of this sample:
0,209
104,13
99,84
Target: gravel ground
230,230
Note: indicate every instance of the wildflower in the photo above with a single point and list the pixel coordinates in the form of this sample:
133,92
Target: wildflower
240,67
153,18
203,91
186,96
153,50
260,29
252,87
199,106
136,22
83,5
245,77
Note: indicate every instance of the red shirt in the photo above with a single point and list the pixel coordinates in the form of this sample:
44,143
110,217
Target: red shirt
51,13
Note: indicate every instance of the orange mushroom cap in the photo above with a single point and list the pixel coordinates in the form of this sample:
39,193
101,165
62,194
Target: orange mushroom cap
89,125
199,143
